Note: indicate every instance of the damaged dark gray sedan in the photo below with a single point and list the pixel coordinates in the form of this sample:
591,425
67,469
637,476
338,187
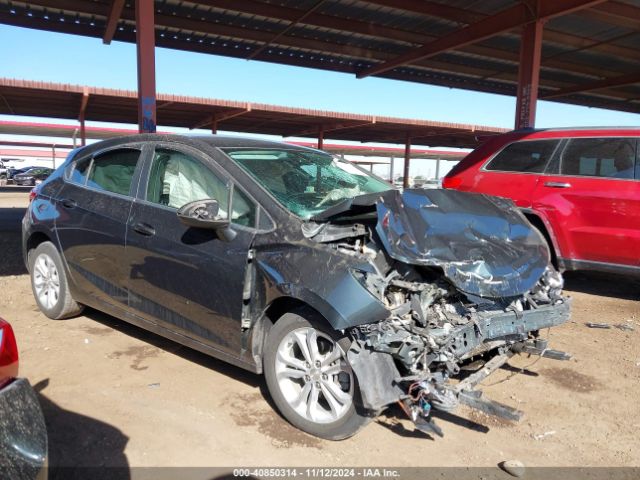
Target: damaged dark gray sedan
347,294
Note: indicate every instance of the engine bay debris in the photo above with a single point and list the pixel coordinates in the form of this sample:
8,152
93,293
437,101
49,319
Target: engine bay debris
466,280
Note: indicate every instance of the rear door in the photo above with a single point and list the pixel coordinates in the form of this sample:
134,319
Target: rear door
592,200
514,171
94,204
188,279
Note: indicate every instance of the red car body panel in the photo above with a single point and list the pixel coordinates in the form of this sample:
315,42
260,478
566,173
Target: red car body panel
8,353
593,222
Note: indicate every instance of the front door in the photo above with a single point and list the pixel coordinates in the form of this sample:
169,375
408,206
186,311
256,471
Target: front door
187,279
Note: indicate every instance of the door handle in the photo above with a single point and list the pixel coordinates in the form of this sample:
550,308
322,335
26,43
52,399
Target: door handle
69,203
557,184
144,229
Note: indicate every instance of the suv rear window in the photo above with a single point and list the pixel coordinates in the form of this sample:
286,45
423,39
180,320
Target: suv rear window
600,157
527,156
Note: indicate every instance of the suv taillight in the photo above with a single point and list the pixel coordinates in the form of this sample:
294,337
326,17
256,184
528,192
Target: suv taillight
33,194
8,353
451,182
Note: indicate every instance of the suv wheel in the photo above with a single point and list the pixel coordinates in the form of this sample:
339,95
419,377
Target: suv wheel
309,378
49,283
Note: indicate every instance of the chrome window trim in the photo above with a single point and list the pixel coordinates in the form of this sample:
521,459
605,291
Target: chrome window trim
569,139
483,168
560,139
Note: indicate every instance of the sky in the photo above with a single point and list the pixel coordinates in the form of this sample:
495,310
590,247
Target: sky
38,55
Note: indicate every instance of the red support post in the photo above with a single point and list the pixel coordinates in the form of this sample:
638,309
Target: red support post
145,42
407,161
83,132
214,126
82,115
529,74
320,137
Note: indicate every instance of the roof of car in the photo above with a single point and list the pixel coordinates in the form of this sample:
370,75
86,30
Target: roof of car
221,141
568,130
560,133
218,141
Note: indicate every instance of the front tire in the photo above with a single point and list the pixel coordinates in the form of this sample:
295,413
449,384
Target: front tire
309,377
49,283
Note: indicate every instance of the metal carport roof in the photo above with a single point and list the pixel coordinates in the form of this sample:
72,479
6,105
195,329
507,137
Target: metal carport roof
44,99
590,49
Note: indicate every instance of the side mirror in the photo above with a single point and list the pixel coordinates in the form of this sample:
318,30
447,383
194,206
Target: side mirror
205,214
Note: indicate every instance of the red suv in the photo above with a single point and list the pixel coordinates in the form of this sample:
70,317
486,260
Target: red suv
580,187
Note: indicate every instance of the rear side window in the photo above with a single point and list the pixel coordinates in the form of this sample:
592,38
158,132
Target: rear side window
600,157
528,156
80,171
111,171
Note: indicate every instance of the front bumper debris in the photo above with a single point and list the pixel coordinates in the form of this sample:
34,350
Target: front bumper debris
492,338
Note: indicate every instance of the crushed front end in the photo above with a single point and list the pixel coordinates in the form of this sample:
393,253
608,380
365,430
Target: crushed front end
435,330
467,282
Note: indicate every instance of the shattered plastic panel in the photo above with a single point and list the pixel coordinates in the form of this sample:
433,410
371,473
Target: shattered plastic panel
485,246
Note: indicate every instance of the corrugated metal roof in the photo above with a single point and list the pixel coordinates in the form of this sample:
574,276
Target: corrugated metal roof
67,131
599,42
44,99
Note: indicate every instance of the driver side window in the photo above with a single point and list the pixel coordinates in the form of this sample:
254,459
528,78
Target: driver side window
177,179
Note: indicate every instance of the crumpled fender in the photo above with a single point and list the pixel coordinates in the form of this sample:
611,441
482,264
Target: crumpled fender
484,244
325,283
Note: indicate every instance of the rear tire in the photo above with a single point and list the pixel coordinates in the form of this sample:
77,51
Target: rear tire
49,283
309,378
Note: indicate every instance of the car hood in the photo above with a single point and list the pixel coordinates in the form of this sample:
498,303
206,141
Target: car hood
484,244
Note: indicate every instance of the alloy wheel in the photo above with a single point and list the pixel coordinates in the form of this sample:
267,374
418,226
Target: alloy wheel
46,281
314,376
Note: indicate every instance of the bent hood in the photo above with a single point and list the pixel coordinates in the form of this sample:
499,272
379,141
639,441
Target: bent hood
484,244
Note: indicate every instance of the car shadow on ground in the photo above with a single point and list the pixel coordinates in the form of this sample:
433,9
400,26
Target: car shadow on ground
175,348
81,447
625,287
11,262
390,419
232,371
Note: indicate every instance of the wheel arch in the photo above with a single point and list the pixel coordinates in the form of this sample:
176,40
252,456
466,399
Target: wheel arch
269,317
542,224
33,241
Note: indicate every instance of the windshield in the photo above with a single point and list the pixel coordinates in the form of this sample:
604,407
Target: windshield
306,182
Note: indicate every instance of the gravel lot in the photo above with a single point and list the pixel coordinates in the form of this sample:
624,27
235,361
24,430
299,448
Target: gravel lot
115,395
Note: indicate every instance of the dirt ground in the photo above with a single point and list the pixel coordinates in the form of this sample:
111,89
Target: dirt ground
115,395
